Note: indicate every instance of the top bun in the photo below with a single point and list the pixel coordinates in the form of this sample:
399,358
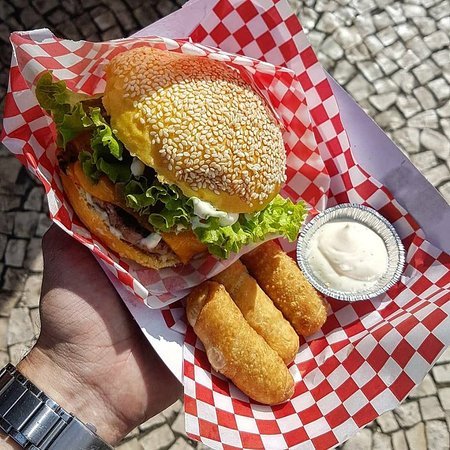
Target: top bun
199,125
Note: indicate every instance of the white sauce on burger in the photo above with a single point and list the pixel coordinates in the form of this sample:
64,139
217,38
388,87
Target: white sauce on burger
151,241
204,210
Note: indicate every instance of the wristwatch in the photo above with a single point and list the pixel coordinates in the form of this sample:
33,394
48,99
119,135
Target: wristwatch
36,422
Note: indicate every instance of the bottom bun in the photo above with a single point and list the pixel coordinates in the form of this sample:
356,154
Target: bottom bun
96,221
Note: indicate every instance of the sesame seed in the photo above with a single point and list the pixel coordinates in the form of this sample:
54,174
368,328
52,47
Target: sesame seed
214,130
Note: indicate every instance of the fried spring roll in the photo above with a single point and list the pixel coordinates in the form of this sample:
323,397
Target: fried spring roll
282,280
259,311
234,348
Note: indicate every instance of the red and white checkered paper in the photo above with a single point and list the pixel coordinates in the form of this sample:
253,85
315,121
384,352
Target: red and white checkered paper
29,133
369,355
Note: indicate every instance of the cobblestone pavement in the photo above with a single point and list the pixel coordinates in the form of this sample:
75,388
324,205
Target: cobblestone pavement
392,56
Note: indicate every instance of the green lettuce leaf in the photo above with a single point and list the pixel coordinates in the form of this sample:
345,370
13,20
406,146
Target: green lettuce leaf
281,217
167,209
65,107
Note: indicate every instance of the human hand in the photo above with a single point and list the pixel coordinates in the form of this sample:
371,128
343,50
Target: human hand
91,356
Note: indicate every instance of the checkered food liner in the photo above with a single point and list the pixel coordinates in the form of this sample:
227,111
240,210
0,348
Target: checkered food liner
370,354
29,133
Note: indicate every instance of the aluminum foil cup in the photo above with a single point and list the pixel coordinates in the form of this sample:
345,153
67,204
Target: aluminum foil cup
370,218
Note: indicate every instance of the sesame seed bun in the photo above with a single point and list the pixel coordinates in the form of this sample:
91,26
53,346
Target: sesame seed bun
199,125
97,225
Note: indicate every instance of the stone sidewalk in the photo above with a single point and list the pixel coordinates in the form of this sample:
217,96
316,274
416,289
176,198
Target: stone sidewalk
392,56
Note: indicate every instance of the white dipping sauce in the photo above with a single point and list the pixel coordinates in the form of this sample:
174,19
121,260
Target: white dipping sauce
347,255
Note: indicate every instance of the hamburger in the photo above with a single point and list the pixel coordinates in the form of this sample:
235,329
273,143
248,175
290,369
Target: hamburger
179,156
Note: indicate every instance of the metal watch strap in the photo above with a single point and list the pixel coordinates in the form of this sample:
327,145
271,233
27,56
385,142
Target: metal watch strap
36,422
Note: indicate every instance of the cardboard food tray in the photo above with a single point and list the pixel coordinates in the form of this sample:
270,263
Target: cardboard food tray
369,355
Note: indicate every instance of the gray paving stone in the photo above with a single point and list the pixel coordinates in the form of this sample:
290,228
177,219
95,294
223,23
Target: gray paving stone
9,170
381,441
370,70
34,199
171,412
425,119
425,98
424,389
358,53
444,24
316,38
426,25
32,291
441,58
406,31
14,279
8,300
437,40
384,86
444,397
382,20
181,444
43,224
15,252
395,10
404,80
441,373
359,88
416,437
408,60
445,191
383,101
399,441
407,414
6,223
4,358
25,223
328,23
390,120
202,446
387,65
133,444
332,49
20,328
360,441
179,424
440,88
387,36
424,160
153,422
387,422
408,105
445,357
431,408
347,37
417,45
158,439
437,435
9,202
437,175
411,11
33,259
343,71
444,111
437,142
373,44
365,25
3,242
18,351
395,51
3,334
426,71
35,321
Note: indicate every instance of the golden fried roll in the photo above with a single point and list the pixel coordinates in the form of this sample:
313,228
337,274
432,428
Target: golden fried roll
234,348
282,280
259,311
